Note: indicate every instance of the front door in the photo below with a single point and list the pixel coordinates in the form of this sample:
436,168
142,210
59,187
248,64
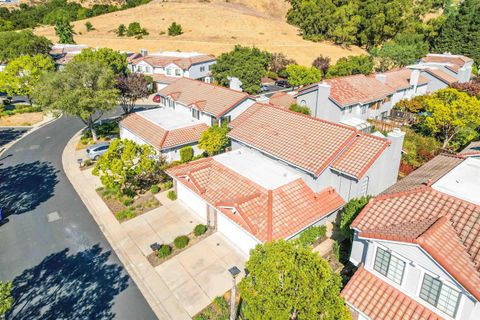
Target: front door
211,217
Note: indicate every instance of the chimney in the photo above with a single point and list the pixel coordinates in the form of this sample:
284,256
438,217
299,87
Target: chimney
144,52
319,110
414,76
396,138
235,84
382,77
464,74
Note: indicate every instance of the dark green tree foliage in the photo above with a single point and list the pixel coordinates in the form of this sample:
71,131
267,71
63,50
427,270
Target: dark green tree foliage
175,29
461,32
16,44
111,58
246,63
350,65
64,31
349,213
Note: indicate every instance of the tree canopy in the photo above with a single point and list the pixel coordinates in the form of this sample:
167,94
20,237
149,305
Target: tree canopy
301,75
449,112
111,58
128,167
214,139
132,87
16,44
22,74
286,280
83,89
245,63
64,31
346,66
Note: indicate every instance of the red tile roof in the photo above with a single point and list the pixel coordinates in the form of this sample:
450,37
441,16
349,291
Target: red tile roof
266,214
400,79
160,138
163,61
381,301
457,60
443,76
161,78
206,97
282,99
306,142
346,91
446,227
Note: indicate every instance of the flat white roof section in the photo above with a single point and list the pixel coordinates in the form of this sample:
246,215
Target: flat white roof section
178,54
261,170
168,118
462,182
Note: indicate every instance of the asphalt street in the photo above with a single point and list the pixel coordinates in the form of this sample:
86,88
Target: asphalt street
61,265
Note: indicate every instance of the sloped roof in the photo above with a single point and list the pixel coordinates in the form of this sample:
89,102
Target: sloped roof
457,60
381,301
400,79
164,60
266,214
429,173
346,91
209,98
472,149
446,227
442,76
306,142
159,137
282,99
161,78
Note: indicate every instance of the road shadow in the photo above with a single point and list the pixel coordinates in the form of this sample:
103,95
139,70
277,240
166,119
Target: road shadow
69,286
8,135
25,186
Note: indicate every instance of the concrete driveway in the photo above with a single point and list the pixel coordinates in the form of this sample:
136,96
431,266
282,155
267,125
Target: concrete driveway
197,275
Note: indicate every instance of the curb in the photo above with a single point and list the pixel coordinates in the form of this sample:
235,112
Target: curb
34,128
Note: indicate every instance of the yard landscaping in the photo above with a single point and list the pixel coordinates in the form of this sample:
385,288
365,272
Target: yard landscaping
19,115
106,131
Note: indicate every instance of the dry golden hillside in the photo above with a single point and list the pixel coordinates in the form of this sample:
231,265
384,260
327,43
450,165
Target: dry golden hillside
213,27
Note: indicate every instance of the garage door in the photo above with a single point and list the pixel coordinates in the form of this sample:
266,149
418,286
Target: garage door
192,200
235,234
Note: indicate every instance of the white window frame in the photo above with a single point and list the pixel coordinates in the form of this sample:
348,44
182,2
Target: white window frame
178,72
202,69
381,276
168,71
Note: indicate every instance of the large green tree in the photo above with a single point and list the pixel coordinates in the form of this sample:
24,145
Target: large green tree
449,112
214,139
64,31
301,75
15,44
460,33
346,66
111,58
82,89
286,280
128,167
22,74
245,63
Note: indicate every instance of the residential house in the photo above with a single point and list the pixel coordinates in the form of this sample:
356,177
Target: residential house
166,67
188,107
64,53
282,99
417,246
285,173
345,98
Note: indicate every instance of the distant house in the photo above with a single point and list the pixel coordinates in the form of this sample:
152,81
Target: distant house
64,53
285,173
187,108
417,246
166,67
282,99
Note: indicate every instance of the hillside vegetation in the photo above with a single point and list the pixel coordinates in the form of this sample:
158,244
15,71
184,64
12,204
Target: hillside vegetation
212,27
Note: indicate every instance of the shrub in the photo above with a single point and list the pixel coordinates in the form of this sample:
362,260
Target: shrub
186,154
134,29
127,201
89,26
310,235
181,242
125,214
349,213
155,188
172,195
336,250
272,75
175,29
199,229
300,109
164,251
167,185
121,30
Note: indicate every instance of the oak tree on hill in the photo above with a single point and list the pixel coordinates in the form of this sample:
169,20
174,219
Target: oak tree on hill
64,31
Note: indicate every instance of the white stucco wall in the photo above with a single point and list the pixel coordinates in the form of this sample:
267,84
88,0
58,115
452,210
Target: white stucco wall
192,200
195,73
239,108
241,238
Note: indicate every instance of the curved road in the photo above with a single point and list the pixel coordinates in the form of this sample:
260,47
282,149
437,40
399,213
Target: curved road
61,265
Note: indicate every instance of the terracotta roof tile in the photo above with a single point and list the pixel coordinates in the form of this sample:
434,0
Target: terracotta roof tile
216,100
160,138
400,79
282,99
381,301
304,141
414,216
266,214
457,60
163,61
443,76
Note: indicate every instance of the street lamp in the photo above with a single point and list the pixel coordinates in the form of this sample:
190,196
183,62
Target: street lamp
234,271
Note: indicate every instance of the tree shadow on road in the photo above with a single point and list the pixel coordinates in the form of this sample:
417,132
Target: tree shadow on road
69,286
8,135
25,186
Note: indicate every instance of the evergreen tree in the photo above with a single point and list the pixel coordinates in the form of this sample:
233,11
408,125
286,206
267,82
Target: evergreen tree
64,31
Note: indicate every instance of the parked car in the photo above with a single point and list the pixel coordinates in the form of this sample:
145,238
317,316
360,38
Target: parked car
282,83
156,98
95,151
264,88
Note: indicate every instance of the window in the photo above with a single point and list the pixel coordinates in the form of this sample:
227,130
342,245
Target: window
350,109
139,68
202,69
195,113
169,72
389,265
364,108
178,72
148,70
439,295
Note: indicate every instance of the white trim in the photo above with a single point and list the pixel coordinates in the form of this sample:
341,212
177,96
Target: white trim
396,255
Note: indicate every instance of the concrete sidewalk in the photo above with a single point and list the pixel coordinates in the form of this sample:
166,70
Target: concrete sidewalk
153,287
